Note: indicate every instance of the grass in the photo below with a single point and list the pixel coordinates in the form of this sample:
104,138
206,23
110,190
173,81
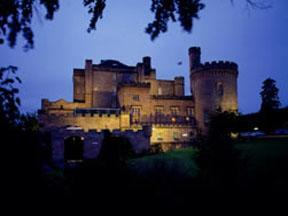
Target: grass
177,163
265,162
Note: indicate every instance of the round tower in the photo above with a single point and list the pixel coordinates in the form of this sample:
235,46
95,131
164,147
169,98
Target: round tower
214,87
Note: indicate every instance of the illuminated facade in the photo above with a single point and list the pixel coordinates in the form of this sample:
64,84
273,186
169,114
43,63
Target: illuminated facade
111,95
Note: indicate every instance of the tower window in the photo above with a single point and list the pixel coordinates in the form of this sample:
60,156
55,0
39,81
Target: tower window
206,117
219,89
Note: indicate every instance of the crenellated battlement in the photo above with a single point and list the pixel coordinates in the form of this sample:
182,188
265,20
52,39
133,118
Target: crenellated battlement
226,65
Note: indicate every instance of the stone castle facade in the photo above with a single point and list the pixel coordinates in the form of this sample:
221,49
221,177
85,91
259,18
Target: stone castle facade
114,96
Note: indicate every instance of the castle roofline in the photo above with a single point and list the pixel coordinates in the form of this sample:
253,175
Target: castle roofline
111,63
217,65
194,49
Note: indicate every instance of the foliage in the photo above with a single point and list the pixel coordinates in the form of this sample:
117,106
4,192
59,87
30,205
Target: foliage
16,16
269,106
269,95
9,101
166,10
96,8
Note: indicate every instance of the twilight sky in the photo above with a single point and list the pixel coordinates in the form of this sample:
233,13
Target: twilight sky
257,40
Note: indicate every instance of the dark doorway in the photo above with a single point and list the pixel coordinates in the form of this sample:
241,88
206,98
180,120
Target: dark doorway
73,148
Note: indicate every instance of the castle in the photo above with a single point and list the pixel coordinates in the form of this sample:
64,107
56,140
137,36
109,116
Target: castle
126,99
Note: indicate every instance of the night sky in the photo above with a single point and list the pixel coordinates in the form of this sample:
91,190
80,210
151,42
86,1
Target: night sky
257,40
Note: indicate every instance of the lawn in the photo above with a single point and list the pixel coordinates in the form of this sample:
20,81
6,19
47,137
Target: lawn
264,161
177,163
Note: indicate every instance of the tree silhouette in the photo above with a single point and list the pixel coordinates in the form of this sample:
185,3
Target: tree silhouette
9,101
16,16
269,95
269,106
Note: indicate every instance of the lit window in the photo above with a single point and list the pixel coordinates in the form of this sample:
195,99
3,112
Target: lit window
135,114
159,137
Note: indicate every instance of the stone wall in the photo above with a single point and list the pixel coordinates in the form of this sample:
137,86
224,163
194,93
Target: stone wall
148,104
60,106
87,122
79,85
140,141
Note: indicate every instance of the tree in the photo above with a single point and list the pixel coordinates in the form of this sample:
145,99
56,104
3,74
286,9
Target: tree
269,106
16,16
269,96
9,101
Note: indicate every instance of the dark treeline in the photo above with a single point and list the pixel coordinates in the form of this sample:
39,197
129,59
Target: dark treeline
266,121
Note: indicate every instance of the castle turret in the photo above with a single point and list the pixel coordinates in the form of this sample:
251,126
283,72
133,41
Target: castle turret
147,65
194,57
214,87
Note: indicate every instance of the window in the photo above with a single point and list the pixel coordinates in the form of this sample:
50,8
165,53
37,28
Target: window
136,97
175,135
135,110
135,114
206,117
159,110
219,89
174,110
159,91
114,78
159,137
190,111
